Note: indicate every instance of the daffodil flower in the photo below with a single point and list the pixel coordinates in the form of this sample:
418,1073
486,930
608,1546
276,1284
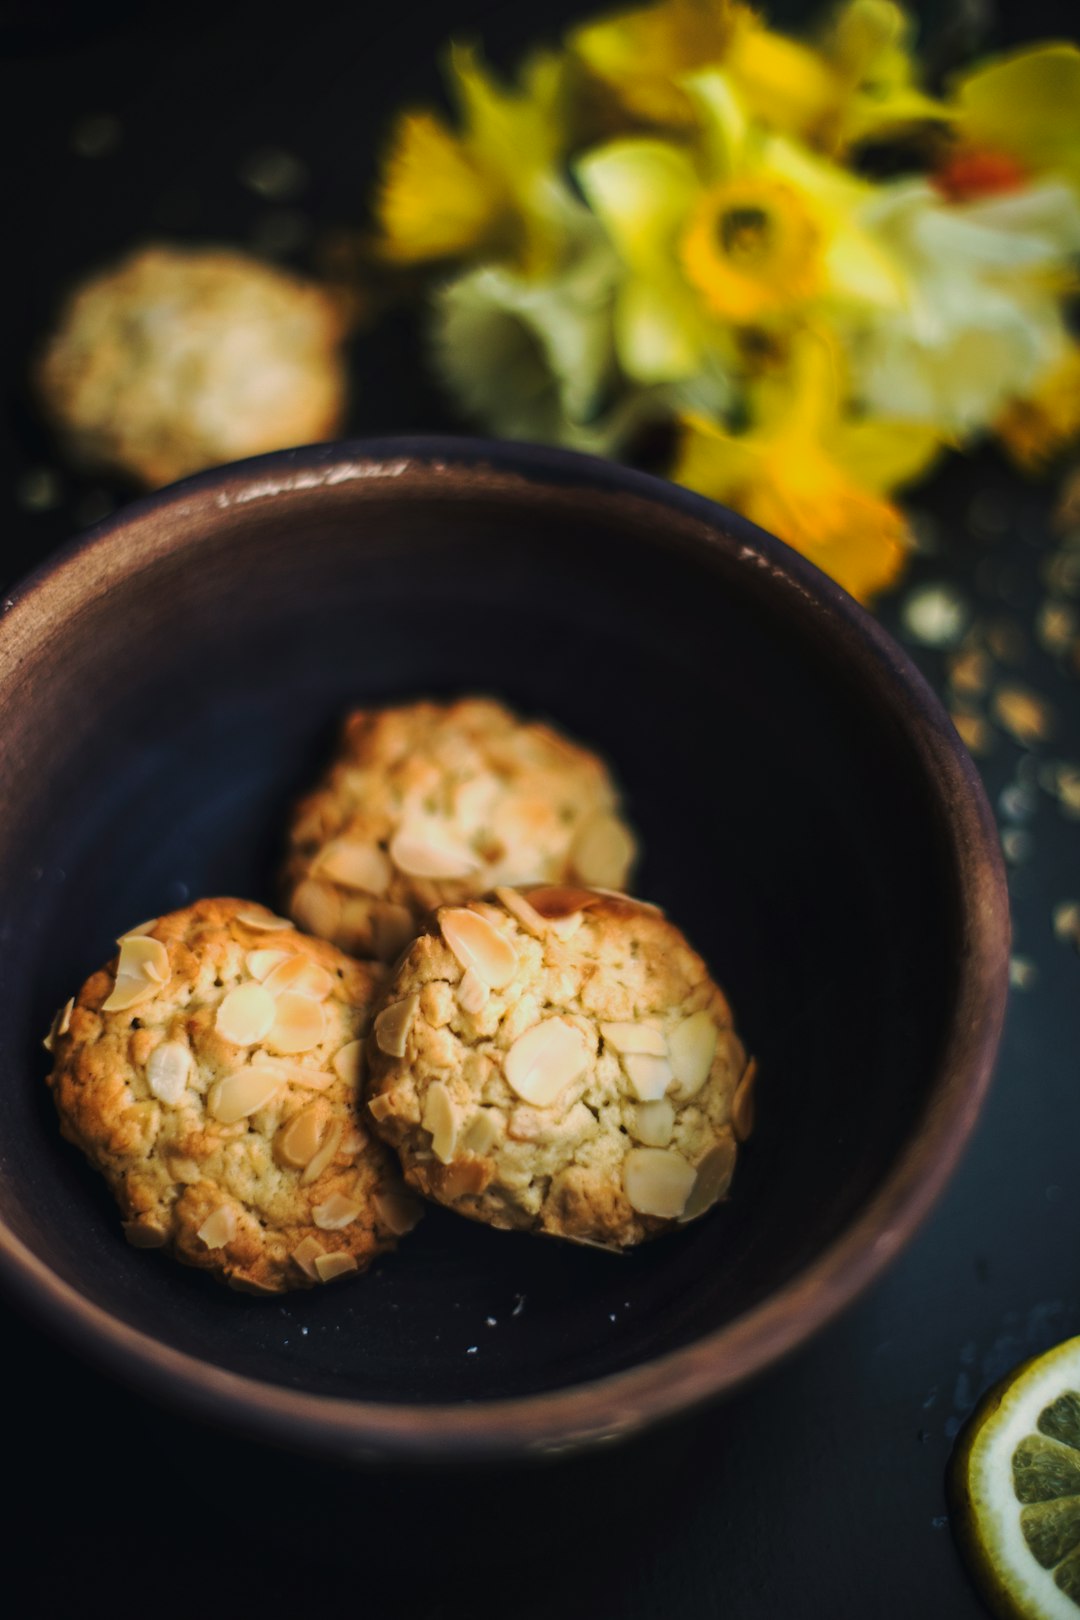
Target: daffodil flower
534,357
811,474
860,80
868,47
982,318
743,228
642,57
496,188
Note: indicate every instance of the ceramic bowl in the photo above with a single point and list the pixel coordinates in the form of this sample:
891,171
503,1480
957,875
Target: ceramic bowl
807,813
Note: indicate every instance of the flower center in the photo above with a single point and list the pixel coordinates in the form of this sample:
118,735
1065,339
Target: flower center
751,248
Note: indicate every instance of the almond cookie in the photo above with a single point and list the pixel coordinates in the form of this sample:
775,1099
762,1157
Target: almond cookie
182,358
435,803
211,1074
559,1061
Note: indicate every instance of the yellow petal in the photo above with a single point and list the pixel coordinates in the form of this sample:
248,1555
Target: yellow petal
656,338
642,191
885,456
1040,426
795,489
1027,104
434,200
641,55
784,83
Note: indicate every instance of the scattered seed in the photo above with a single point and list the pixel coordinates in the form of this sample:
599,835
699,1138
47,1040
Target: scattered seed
1066,922
1017,845
39,490
1023,714
1022,972
96,135
273,173
935,615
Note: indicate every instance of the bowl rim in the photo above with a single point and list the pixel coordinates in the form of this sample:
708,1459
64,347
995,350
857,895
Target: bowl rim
621,1403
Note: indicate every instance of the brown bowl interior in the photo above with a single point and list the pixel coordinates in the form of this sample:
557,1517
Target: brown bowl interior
807,816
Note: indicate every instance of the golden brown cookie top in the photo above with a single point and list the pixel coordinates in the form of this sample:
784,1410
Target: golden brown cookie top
430,803
559,1059
182,358
211,1072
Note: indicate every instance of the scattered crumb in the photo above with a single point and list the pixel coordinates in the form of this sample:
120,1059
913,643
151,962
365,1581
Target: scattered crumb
1025,716
1022,972
935,615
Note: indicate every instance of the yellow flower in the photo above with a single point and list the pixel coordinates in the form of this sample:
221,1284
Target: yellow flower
1038,427
746,227
869,50
642,55
1026,105
860,81
982,318
812,475
492,189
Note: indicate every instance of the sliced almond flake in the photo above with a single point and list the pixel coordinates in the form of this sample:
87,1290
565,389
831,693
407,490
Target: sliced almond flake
241,1094
657,1181
355,866
140,928
627,899
712,1180
478,945
168,1070
346,1063
142,969
520,909
63,1019
392,928
335,1213
634,1037
329,1266
219,1227
480,1135
393,1024
331,1143
142,1235
353,1143
692,1045
440,1119
306,1253
603,851
317,907
473,994
654,1123
258,918
245,1014
429,852
649,1076
742,1104
398,1211
299,1024
129,992
297,1142
381,1107
545,1060
297,1074
261,962
557,903
300,975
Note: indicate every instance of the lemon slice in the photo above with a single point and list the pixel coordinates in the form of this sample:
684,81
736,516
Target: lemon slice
1015,1489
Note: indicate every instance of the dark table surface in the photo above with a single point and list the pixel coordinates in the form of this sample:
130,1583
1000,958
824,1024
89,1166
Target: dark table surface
819,1490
